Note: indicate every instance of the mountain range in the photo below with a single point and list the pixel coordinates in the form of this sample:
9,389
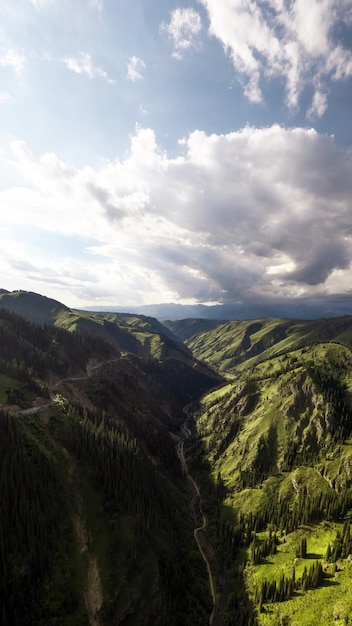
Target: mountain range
292,308
183,472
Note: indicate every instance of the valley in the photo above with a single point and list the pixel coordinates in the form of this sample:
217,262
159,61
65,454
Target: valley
173,473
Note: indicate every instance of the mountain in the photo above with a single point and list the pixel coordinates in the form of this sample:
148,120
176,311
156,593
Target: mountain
140,335
186,328
95,512
189,473
302,308
232,346
277,443
32,306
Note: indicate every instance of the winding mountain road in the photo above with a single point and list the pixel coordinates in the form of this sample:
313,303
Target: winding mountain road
53,398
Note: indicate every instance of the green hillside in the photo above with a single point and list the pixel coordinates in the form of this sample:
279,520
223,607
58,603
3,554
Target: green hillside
278,443
149,324
235,345
141,487
140,335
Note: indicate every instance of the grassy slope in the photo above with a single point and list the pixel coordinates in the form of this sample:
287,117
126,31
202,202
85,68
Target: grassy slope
141,335
328,604
5,383
138,321
236,345
247,429
127,333
280,393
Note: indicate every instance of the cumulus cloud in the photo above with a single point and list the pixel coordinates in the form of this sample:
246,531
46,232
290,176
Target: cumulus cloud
134,68
84,66
183,30
294,40
254,214
12,58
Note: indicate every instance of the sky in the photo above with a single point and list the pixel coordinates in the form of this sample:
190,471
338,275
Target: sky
176,151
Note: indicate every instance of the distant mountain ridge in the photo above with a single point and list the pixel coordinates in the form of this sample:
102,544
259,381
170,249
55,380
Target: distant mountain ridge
298,308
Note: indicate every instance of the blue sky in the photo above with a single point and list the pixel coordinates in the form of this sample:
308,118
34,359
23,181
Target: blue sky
194,151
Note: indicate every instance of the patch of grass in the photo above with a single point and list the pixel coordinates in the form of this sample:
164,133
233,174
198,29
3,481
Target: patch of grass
5,383
328,603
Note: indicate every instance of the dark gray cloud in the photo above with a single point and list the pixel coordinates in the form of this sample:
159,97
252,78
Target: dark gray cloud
269,205
258,213
112,209
317,265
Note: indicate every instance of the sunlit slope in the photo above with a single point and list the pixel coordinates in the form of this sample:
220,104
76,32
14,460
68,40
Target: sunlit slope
278,444
289,411
134,335
140,335
144,322
232,344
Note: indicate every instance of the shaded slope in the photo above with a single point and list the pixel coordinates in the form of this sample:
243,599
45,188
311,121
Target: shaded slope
32,306
186,328
103,454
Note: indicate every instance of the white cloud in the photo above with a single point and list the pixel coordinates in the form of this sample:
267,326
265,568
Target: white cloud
134,68
12,58
318,106
294,40
183,30
5,96
83,65
250,214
